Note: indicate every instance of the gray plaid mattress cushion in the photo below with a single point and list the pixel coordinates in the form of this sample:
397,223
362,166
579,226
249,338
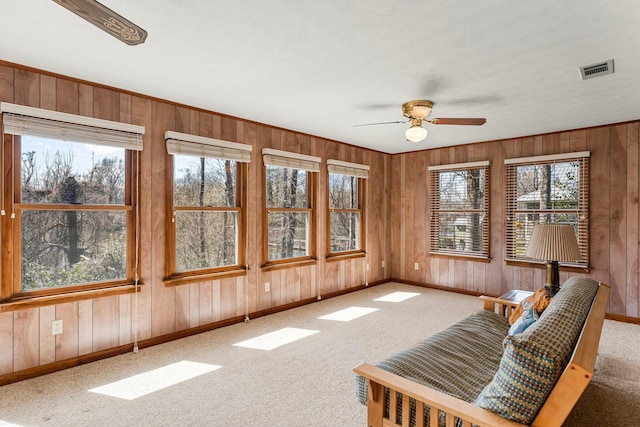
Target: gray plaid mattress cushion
459,361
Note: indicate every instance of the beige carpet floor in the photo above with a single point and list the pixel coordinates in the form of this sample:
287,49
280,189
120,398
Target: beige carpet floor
308,382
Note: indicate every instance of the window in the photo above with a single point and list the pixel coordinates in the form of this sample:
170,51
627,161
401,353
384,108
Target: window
289,206
346,222
547,189
460,209
207,231
71,195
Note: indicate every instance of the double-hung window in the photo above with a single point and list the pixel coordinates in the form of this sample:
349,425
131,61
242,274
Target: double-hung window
460,209
346,221
546,189
289,208
69,211
206,234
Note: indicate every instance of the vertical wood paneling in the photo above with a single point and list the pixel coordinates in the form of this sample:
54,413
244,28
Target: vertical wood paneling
163,320
216,301
106,104
47,340
393,262
6,84
183,301
48,92
141,114
106,315
228,291
618,218
397,208
67,342
125,319
633,216
205,302
254,213
85,100
6,343
26,89
26,339
494,274
67,96
598,143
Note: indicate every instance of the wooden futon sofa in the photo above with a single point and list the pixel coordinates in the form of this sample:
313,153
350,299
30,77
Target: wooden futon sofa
475,373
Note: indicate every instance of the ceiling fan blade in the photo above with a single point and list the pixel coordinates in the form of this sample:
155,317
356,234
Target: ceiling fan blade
381,123
106,19
449,121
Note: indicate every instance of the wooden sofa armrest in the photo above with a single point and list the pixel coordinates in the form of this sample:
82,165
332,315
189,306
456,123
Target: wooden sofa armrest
497,305
378,379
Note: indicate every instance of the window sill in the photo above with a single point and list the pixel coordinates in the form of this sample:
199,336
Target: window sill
541,264
289,264
476,258
43,301
176,280
345,256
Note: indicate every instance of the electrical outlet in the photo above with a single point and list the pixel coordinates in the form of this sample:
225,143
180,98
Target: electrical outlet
56,327
416,266
368,267
382,264
267,287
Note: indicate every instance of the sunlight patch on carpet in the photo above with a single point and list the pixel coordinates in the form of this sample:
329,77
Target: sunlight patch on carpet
348,314
148,382
8,424
276,339
397,296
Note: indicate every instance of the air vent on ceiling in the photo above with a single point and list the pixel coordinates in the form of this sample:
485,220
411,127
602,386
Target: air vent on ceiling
596,70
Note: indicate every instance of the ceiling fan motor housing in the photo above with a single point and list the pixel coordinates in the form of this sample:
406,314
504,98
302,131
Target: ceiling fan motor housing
417,109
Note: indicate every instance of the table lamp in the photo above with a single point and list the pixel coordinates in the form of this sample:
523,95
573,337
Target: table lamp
553,243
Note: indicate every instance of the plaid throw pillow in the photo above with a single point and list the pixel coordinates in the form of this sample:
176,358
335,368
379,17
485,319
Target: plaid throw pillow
534,359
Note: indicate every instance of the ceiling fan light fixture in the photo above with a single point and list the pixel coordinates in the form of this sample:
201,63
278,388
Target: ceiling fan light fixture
416,132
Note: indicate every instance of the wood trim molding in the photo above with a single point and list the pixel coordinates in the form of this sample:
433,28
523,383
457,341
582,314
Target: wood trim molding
42,301
127,348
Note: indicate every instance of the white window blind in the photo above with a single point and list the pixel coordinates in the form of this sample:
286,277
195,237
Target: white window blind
193,145
286,159
459,223
349,169
546,189
23,120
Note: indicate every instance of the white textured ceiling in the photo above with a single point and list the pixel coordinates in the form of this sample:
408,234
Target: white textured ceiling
320,67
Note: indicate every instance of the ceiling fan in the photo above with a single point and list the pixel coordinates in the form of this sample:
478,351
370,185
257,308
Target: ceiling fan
418,111
106,19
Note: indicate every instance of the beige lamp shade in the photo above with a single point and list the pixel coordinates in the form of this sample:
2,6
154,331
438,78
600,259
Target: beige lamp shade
554,242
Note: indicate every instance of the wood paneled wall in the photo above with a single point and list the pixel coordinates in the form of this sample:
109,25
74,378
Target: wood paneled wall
613,215
397,212
97,325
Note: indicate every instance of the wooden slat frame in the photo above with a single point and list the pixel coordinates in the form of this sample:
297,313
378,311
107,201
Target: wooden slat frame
572,383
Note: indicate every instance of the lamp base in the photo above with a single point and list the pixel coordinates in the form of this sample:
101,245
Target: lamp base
553,278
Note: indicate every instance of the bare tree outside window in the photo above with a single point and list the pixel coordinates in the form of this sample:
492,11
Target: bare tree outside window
205,212
546,193
345,213
72,214
288,212
460,211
